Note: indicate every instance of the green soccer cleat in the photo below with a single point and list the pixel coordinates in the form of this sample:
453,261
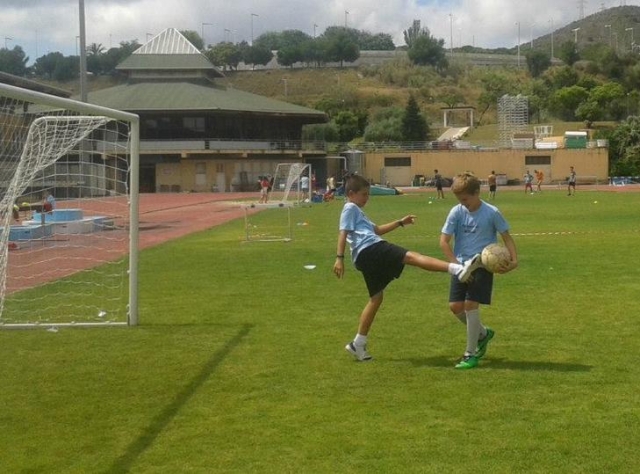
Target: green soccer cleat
483,343
467,362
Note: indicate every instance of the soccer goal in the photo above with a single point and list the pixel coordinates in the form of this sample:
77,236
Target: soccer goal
68,212
292,183
272,225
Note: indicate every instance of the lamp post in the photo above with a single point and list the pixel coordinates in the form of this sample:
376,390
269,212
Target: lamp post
346,15
631,30
227,34
575,34
7,38
252,15
149,35
204,43
314,30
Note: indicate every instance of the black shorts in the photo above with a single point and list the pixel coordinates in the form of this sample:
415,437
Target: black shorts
479,289
380,264
492,188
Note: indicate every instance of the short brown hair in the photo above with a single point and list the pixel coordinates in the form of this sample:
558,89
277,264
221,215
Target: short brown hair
465,183
355,183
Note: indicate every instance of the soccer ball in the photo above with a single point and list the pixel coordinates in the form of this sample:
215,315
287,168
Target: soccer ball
493,256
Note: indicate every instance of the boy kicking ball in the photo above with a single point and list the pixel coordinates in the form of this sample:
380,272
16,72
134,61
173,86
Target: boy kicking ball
473,224
380,261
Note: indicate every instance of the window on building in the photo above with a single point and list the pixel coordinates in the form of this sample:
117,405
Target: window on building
537,160
397,161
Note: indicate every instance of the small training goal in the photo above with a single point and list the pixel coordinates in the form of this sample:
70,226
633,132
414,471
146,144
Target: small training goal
68,212
291,187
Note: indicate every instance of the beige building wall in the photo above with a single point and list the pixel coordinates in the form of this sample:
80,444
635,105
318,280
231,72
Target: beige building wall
590,164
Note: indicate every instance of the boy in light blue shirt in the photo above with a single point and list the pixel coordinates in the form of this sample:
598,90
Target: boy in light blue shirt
473,224
379,261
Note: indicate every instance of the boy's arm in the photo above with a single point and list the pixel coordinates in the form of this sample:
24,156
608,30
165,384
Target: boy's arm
384,228
445,246
510,244
338,266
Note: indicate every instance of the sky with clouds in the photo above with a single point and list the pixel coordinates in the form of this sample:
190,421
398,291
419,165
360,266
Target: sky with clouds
43,26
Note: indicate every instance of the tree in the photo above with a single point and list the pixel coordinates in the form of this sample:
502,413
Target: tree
45,65
13,61
257,55
378,42
194,38
414,125
494,86
291,47
451,96
568,52
604,102
624,148
347,124
224,55
564,102
427,50
386,125
339,45
412,33
537,62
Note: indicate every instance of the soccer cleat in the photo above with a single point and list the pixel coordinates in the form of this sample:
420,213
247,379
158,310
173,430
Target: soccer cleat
469,267
467,362
483,343
359,352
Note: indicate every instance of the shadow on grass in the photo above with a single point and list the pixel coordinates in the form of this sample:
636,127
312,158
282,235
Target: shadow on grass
137,447
500,364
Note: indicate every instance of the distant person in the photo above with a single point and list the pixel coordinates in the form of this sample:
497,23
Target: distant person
437,177
571,180
48,202
539,179
304,187
331,184
264,190
528,182
493,184
379,261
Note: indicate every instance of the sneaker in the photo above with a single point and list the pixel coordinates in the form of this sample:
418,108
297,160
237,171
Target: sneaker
359,352
467,362
483,343
469,267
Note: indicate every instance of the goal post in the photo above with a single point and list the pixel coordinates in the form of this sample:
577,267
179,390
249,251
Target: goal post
69,205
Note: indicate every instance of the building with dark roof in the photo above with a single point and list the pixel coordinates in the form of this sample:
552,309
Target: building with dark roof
197,135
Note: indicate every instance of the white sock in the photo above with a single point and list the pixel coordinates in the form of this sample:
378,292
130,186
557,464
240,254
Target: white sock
462,317
360,340
455,268
473,330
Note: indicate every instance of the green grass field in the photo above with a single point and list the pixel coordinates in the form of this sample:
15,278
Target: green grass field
238,364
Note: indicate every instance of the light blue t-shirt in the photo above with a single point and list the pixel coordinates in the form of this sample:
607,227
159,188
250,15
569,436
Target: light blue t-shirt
361,231
473,231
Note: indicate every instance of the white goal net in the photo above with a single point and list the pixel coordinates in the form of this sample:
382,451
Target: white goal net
68,212
292,183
